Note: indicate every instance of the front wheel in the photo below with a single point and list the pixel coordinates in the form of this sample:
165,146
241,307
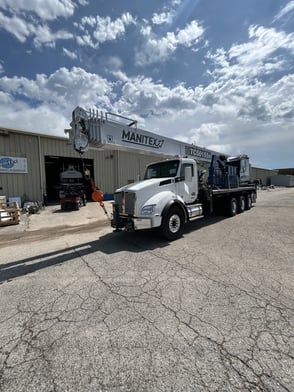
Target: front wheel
173,224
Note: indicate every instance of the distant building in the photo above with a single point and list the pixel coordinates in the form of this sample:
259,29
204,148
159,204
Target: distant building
289,171
282,180
262,176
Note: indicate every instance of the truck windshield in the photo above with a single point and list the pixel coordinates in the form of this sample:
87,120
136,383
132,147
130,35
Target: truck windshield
162,169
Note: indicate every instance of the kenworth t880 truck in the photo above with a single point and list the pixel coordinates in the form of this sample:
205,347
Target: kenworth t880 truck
173,191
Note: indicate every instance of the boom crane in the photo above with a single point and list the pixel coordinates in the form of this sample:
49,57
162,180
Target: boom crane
173,191
113,131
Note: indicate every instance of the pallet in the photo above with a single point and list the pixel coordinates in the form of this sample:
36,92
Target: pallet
9,213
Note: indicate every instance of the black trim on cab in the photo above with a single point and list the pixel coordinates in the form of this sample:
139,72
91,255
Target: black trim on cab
170,180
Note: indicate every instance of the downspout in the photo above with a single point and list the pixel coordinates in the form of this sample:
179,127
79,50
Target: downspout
41,168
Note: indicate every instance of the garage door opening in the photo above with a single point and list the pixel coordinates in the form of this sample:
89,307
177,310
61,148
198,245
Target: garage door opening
55,165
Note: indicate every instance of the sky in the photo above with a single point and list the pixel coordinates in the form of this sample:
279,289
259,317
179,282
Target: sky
216,73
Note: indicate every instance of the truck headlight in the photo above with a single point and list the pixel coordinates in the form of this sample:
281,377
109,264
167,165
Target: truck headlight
148,210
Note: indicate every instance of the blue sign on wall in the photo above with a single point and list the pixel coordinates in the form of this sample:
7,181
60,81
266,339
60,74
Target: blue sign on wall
10,164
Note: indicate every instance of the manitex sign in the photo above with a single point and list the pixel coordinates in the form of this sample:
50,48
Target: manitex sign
150,141
141,139
10,164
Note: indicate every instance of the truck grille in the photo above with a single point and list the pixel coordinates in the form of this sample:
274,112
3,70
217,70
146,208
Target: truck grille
126,202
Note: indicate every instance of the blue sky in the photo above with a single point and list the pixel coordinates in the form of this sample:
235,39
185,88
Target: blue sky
218,73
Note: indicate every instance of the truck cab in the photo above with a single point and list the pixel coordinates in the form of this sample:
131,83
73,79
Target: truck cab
166,198
180,171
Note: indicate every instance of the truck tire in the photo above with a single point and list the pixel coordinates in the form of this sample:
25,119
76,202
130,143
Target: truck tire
241,204
84,200
233,206
172,226
248,202
76,206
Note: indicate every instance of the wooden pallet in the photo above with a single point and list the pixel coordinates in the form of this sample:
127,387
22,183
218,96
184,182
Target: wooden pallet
9,213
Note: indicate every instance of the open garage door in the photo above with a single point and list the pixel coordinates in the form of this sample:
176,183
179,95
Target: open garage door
54,165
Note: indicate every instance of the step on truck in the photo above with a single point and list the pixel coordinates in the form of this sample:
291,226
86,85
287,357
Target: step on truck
173,191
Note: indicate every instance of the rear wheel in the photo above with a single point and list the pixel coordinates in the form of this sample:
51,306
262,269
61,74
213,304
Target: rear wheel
173,224
248,202
241,206
233,206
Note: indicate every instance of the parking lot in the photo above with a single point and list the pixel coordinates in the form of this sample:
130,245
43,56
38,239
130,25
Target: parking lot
85,309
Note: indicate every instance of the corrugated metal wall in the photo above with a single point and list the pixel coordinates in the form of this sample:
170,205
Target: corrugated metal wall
112,169
132,165
282,180
262,174
24,185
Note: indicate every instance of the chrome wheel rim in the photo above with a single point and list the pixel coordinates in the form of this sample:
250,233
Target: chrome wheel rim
174,223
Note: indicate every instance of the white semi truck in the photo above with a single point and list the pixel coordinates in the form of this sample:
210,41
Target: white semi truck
173,190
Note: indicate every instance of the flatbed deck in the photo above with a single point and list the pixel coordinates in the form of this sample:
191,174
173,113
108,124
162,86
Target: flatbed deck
241,189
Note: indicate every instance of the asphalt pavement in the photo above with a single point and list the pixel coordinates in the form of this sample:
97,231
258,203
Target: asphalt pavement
85,309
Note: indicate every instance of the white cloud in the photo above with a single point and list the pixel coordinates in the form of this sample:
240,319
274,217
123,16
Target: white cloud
57,95
23,30
72,55
16,26
44,36
5,98
188,114
85,40
191,34
47,10
43,119
264,42
260,56
104,29
157,49
237,111
242,107
114,63
162,18
289,7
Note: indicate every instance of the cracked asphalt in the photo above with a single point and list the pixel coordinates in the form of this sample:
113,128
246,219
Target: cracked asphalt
86,309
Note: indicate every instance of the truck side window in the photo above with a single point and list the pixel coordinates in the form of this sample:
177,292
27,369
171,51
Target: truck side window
183,169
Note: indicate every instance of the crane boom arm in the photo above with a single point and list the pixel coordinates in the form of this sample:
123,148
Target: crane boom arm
113,131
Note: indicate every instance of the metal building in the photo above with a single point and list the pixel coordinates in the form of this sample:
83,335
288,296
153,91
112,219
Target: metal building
30,165
262,176
282,180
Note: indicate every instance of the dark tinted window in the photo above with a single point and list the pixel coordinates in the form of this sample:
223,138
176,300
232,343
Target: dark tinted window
162,169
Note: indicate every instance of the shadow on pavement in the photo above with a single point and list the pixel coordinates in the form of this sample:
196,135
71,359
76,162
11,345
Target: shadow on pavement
111,243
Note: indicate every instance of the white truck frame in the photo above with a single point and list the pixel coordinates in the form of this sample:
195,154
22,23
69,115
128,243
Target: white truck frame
172,192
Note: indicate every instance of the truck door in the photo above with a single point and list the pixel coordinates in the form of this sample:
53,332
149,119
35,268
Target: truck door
187,183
